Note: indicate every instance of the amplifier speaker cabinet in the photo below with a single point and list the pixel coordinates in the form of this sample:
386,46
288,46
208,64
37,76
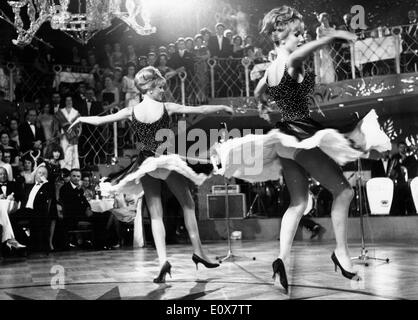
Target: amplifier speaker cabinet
221,189
236,204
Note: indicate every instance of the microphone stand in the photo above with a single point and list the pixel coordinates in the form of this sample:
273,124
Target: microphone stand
229,255
363,257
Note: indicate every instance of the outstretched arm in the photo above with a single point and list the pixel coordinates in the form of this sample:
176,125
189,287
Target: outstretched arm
206,109
97,121
297,57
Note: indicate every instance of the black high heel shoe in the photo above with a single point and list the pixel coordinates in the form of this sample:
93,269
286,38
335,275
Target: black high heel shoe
166,268
345,273
278,268
196,259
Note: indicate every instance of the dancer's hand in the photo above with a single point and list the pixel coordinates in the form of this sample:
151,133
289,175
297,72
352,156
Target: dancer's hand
341,34
76,122
229,110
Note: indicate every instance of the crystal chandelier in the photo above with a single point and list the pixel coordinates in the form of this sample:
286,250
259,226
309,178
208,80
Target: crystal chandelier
92,17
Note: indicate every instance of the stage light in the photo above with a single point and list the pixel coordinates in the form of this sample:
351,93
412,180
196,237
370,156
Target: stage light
341,105
380,99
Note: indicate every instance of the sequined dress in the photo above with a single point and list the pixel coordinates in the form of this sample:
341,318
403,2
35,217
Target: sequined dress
149,161
256,158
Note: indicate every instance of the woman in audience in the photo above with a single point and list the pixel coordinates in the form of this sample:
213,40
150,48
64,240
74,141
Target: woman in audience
46,120
118,58
237,48
87,187
189,44
68,141
132,57
324,60
129,88
110,94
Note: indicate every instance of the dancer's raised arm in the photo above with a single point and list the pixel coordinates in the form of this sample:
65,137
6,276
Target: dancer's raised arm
298,56
205,109
99,120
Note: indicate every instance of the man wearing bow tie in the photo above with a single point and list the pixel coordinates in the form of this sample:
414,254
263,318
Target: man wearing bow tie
30,136
56,102
39,208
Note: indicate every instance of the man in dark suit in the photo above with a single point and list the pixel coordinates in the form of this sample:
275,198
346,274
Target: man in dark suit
80,96
76,208
37,208
220,46
383,168
182,58
73,206
30,136
90,106
56,102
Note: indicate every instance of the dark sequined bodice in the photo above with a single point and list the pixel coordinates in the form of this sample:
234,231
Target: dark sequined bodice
145,133
292,97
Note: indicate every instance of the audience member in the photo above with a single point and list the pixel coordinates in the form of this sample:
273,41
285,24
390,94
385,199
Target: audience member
14,132
29,134
6,166
110,94
129,88
220,46
68,140
40,209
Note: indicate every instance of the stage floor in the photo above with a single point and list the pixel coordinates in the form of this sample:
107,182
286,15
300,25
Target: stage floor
127,274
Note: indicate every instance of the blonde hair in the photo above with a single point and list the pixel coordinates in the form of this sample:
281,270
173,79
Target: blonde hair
149,78
279,19
322,15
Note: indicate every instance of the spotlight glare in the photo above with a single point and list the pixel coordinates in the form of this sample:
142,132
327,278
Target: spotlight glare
341,105
380,99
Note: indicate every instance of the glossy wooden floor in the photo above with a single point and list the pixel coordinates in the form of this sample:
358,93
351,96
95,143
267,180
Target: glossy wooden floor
128,274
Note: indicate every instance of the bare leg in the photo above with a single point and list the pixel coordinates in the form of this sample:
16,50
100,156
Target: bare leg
329,174
297,183
152,191
51,234
178,185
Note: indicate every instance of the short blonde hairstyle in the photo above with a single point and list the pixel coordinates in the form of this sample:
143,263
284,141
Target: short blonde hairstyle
279,19
148,78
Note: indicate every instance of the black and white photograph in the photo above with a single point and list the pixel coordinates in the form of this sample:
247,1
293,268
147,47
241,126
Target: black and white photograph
208,156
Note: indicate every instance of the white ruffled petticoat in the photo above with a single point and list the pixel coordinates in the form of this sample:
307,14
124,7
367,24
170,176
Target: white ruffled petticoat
255,158
158,167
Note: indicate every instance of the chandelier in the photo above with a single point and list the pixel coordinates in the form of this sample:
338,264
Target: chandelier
91,17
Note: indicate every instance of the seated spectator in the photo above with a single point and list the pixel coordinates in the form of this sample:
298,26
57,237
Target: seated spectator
9,145
74,205
117,78
110,94
40,209
30,135
54,158
5,165
76,208
8,191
